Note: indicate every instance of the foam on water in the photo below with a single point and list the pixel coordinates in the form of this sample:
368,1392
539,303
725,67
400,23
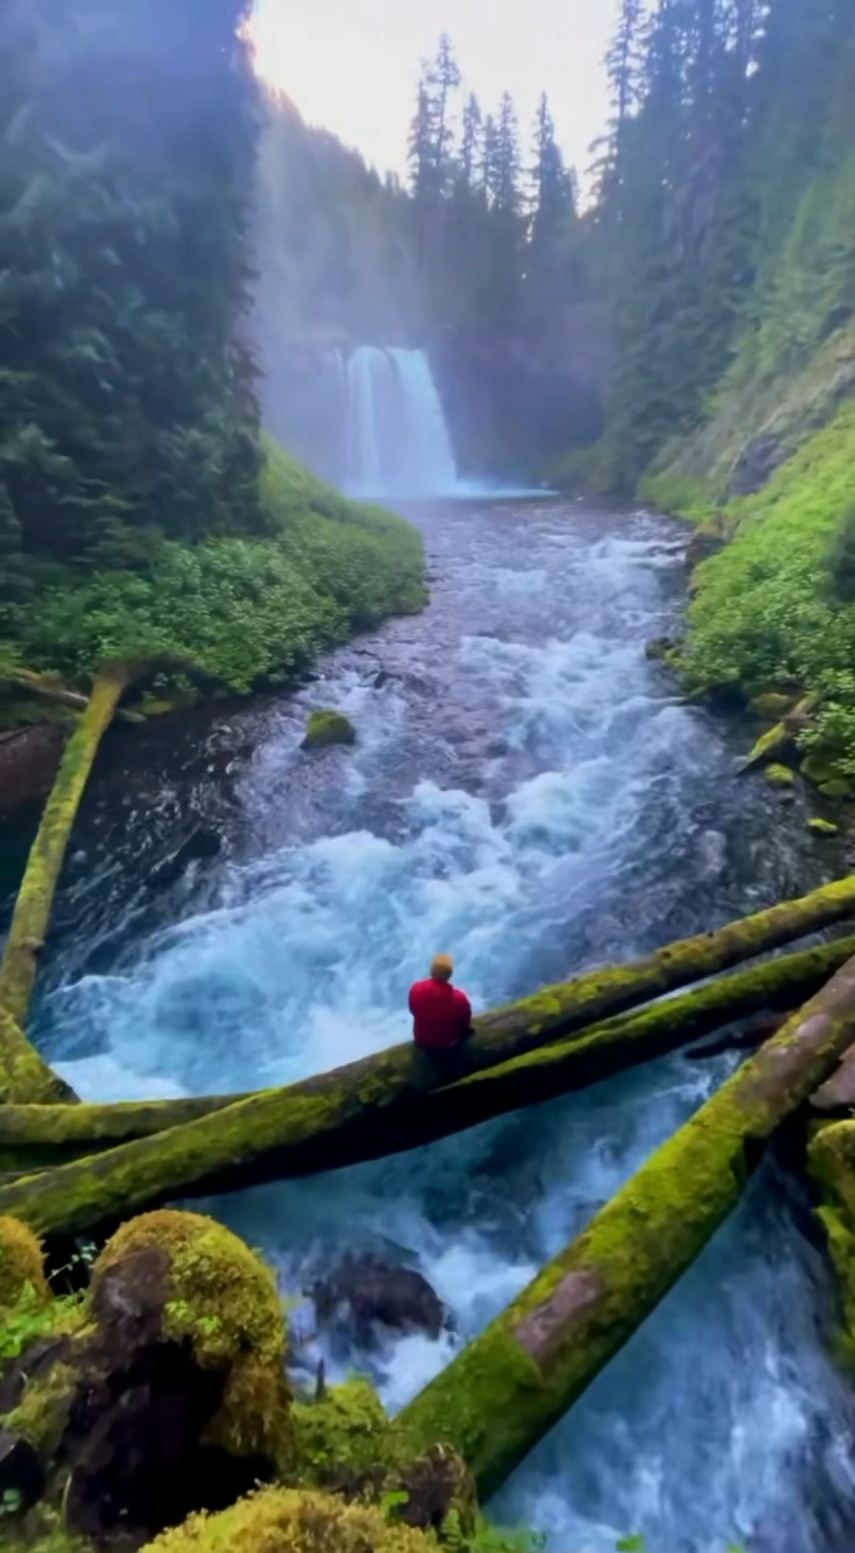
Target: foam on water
528,792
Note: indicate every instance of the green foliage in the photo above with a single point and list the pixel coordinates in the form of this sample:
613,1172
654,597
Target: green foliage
125,397
241,609
31,1319
841,559
488,1538
765,612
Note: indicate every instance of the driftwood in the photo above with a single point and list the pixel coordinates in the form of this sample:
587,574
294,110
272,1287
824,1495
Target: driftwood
512,1384
385,1104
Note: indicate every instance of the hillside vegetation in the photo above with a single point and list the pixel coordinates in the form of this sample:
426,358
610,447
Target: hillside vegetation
733,294
140,511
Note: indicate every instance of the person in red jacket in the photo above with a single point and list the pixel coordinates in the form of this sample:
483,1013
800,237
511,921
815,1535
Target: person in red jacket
442,1015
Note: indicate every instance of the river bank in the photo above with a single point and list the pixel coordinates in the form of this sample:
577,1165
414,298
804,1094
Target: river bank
528,791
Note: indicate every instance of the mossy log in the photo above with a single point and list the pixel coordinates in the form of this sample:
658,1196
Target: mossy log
512,1384
35,897
363,1111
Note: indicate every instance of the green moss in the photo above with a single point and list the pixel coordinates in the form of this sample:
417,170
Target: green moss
223,1301
823,827
327,727
294,1521
344,1439
770,704
21,1265
681,496
780,776
511,1384
43,1412
838,789
766,610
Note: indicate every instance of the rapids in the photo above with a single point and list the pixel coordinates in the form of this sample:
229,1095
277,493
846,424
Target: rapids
529,792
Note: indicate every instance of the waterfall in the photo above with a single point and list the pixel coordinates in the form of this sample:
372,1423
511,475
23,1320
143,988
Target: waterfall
397,438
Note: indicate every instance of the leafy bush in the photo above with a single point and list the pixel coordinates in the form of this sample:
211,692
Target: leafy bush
241,609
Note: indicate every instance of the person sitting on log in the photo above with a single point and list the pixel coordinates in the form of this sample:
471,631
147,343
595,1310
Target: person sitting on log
442,1014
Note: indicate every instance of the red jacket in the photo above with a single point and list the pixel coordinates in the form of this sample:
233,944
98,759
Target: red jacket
441,1014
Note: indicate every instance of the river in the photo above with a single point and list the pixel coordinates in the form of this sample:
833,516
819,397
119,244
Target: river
530,793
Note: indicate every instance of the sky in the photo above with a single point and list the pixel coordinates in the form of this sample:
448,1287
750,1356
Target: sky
352,66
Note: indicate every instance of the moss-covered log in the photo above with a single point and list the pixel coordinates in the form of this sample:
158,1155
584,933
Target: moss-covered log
364,1111
35,897
25,1076
36,1137
512,1384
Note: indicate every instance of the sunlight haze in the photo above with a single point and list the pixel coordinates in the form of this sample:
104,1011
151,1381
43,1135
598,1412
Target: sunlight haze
352,65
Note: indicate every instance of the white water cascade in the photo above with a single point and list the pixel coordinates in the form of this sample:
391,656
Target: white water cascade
397,438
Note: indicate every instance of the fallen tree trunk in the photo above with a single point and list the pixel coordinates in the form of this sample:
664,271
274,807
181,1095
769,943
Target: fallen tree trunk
24,1074
35,1137
512,1384
35,897
351,1115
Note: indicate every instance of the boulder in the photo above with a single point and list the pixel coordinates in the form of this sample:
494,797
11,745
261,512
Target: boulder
365,1292
326,727
780,776
169,1396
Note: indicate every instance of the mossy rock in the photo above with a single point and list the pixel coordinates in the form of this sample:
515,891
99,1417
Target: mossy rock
345,1439
21,1265
281,1520
838,789
820,770
326,727
823,827
211,1292
780,776
771,704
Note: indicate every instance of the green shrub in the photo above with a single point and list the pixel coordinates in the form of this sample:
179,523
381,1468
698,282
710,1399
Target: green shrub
242,609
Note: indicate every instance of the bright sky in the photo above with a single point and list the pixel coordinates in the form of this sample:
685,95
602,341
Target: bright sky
352,65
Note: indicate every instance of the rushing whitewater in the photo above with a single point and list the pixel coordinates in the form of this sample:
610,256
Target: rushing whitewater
529,793
398,444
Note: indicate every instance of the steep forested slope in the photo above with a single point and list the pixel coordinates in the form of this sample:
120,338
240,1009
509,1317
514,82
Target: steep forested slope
728,201
139,511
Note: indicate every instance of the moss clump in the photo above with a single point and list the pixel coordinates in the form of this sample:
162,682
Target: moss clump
823,827
42,1415
780,776
344,1439
222,1300
21,1265
293,1521
326,727
771,704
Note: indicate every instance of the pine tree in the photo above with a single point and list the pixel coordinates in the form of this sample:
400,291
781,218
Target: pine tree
469,161
443,79
622,64
505,188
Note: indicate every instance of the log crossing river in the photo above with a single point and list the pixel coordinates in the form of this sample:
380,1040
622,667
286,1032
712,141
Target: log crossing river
530,793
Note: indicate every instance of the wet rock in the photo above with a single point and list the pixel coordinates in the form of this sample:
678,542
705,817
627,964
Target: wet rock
661,649
438,1484
364,1292
29,758
326,727
757,464
21,1476
201,845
